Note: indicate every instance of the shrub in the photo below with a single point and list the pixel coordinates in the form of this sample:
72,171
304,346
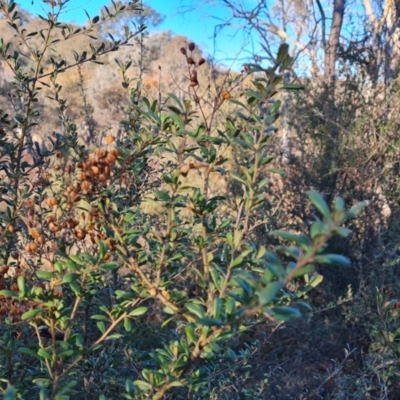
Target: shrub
123,274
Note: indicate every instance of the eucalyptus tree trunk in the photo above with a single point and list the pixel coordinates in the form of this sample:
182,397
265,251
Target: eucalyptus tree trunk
332,44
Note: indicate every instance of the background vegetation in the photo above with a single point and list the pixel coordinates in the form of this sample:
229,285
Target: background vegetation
173,229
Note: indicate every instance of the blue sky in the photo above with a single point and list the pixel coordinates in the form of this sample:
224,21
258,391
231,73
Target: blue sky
198,24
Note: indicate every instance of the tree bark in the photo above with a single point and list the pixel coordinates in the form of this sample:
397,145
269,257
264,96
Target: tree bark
333,42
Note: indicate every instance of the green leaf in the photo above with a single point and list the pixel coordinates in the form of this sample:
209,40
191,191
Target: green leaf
285,313
110,266
143,386
71,277
320,204
316,280
76,259
267,294
31,314
46,275
209,322
293,86
308,269
101,326
102,248
9,293
355,210
10,392
195,309
291,237
21,285
44,354
332,259
28,352
217,307
190,334
129,387
138,311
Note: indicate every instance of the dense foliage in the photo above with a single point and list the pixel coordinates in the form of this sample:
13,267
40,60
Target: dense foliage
129,269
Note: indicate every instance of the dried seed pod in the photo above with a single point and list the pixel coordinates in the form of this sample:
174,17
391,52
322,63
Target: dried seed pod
193,83
40,240
95,170
52,201
80,233
85,186
102,178
201,61
54,227
34,233
183,51
29,202
57,167
226,95
4,269
31,247
191,46
190,61
111,158
193,77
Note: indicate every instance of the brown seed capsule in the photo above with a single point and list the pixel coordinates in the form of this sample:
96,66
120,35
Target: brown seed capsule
15,255
85,186
107,257
57,167
80,233
191,46
94,169
40,240
102,178
52,201
34,233
58,154
29,202
193,77
183,51
111,158
190,61
201,61
4,269
54,227
193,83
226,95
31,247
153,292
